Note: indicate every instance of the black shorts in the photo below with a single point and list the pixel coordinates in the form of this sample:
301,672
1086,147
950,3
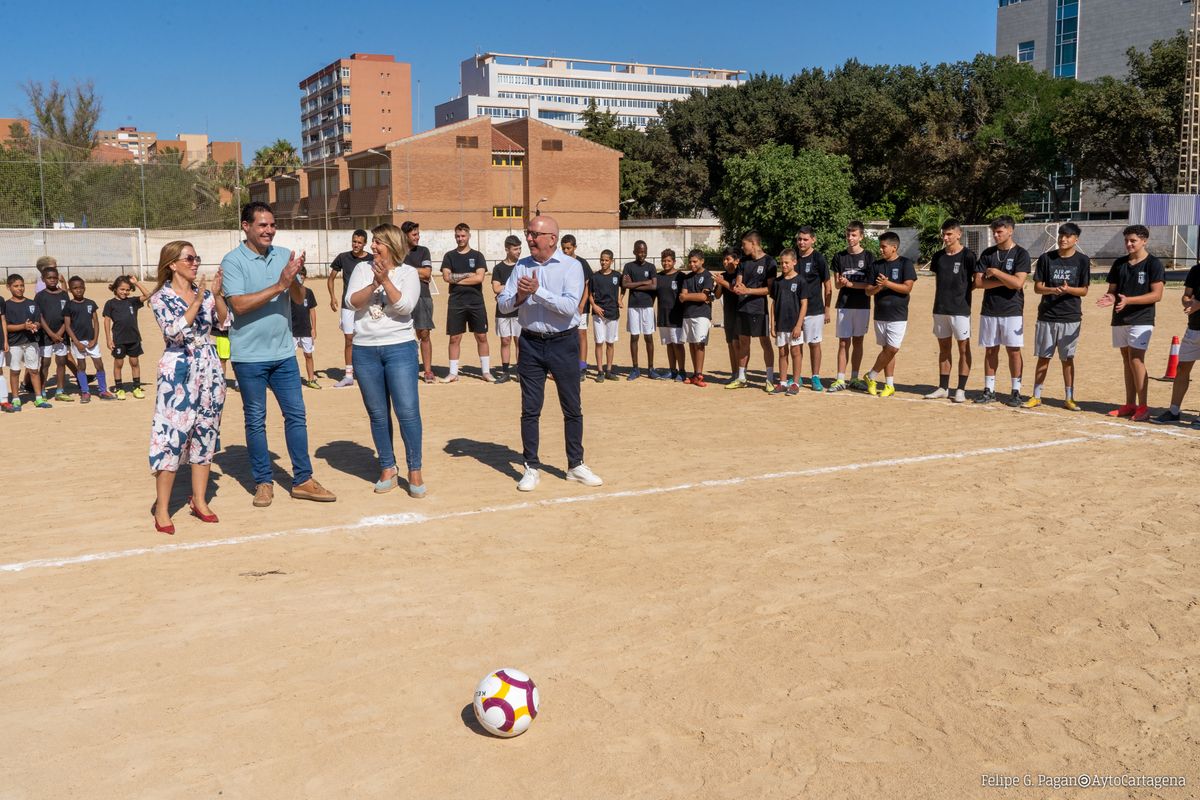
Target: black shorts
127,350
422,314
752,324
460,318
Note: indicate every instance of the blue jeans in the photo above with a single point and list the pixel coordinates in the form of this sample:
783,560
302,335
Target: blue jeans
283,377
387,375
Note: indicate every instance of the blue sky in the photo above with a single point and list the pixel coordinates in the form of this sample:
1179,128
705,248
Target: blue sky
232,70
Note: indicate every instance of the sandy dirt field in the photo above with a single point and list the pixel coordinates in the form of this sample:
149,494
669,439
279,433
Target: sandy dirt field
770,597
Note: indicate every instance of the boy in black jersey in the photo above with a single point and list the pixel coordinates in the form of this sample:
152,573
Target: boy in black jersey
1189,350
606,311
507,327
83,327
1001,272
638,277
1061,277
755,274
122,333
344,264
852,268
814,271
304,331
789,304
568,245
695,298
724,289
51,302
954,268
894,278
464,269
669,317
1135,285
21,326
420,259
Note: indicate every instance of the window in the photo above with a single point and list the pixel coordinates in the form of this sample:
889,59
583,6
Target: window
466,142
507,160
1066,30
345,109
552,144
508,212
500,113
345,127
1025,52
345,73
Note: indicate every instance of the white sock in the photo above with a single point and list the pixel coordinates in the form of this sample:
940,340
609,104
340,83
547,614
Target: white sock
1070,393
989,383
871,375
1174,409
349,370
1016,384
3,387
1037,390
891,381
484,362
741,373
841,376
453,366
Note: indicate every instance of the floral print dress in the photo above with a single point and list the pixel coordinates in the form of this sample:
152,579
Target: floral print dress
191,385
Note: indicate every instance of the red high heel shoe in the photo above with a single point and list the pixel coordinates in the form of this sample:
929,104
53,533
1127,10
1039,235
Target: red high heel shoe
196,512
168,529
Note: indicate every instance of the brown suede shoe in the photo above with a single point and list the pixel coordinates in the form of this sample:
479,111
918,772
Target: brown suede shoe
264,493
311,490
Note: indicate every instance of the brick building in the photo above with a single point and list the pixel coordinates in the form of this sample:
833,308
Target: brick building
354,103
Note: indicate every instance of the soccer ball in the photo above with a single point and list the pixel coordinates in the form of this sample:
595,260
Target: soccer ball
506,701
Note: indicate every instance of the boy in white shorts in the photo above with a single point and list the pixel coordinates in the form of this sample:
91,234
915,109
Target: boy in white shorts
1001,272
345,264
669,317
606,311
21,327
304,331
1135,284
789,304
83,327
1189,350
696,294
1061,277
852,268
954,269
894,276
814,270
639,278
507,327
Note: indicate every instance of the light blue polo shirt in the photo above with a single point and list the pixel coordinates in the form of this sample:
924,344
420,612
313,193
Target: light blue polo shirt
264,334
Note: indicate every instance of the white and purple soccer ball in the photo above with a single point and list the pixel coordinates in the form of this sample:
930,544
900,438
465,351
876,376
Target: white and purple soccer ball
506,702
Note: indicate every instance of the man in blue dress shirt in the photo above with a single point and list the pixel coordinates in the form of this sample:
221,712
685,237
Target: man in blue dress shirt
545,289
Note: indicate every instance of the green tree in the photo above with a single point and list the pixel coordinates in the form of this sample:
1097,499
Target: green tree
1124,133
277,158
66,118
927,218
775,189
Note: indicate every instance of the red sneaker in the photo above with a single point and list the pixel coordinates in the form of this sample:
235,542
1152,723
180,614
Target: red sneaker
1123,411
699,381
687,381
1142,414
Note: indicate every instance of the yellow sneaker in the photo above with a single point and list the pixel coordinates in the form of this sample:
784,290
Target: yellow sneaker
138,393
736,383
871,389
63,398
120,393
1071,405
887,391
1032,402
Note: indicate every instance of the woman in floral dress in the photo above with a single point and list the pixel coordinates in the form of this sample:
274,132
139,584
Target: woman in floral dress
191,386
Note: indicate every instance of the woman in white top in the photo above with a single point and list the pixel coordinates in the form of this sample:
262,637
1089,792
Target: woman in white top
385,353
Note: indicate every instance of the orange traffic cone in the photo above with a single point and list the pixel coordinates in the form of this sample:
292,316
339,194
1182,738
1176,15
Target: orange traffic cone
1172,360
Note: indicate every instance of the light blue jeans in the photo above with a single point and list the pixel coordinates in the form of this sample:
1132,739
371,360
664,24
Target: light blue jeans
387,376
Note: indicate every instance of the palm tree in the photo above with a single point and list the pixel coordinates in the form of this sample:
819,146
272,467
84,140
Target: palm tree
278,158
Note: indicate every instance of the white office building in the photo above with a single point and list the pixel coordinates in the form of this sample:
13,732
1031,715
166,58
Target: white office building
558,90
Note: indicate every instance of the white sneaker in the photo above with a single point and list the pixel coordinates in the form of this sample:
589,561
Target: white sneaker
960,396
347,380
529,480
489,377
938,394
584,476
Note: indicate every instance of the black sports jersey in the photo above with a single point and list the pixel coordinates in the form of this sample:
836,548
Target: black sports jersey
587,278
50,306
1133,280
19,312
123,314
346,263
417,258
606,291
756,273
1193,282
301,320
729,300
669,314
815,271
955,276
890,305
502,272
856,269
1054,270
1002,301
786,295
460,264
80,315
694,283
640,298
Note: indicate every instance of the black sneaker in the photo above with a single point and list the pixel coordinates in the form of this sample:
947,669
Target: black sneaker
599,377
1014,400
582,374
610,376
1167,417
500,376
988,396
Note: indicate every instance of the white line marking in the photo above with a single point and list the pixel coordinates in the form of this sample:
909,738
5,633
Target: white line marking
391,520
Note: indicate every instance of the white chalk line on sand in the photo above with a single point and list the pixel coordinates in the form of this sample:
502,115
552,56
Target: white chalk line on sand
396,520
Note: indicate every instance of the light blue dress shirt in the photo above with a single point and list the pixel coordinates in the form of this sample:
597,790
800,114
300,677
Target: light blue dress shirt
552,308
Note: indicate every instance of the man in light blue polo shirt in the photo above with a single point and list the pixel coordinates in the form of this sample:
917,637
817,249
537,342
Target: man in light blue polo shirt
259,281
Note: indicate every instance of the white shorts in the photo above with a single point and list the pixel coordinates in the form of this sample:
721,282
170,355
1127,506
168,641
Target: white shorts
54,349
347,323
305,343
695,329
1135,336
852,322
890,334
947,326
604,331
786,339
92,351
579,321
639,321
508,327
669,335
1001,331
23,355
814,328
1189,348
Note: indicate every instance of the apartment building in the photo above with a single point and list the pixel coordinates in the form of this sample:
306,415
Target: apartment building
141,144
354,103
556,90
